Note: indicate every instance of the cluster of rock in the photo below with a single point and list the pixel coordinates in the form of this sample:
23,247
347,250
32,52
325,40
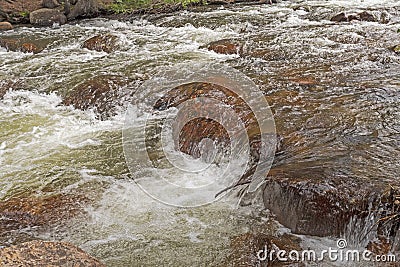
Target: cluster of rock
361,16
47,12
101,43
33,214
57,12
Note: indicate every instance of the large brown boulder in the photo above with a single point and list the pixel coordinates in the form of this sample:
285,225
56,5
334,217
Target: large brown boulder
5,26
41,253
107,43
47,17
211,122
309,202
102,93
193,132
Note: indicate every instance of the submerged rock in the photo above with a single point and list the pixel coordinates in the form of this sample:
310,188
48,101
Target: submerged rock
42,253
20,45
206,122
3,91
101,93
194,131
47,17
5,26
7,85
107,43
3,16
365,16
362,16
341,17
36,213
225,46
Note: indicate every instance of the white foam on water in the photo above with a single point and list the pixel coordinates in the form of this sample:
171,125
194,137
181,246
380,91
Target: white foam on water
35,126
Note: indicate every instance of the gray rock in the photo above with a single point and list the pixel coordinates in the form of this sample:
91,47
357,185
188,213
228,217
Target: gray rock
365,16
50,3
339,17
83,8
47,17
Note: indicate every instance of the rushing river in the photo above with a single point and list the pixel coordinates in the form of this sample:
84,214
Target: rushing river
333,88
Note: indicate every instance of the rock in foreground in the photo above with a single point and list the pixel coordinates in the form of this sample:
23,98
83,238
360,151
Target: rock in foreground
41,253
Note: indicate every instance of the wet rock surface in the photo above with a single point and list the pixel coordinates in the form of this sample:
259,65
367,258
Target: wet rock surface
41,253
102,43
102,93
195,130
225,46
325,207
47,17
309,208
21,44
5,26
362,16
35,214
7,85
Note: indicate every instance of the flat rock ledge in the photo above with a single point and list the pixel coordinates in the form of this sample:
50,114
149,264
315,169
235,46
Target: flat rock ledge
45,253
332,207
